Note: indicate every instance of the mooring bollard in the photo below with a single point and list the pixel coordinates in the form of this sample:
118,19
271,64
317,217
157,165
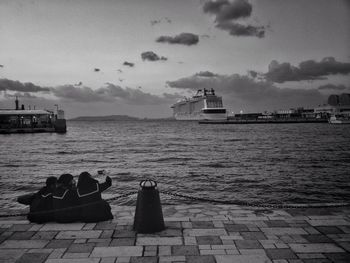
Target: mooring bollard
148,214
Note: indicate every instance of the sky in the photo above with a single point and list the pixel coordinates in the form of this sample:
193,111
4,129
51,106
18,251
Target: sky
138,57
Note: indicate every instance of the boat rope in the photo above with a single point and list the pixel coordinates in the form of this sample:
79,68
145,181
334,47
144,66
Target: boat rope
252,204
200,199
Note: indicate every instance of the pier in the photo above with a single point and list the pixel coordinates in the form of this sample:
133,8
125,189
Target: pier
199,233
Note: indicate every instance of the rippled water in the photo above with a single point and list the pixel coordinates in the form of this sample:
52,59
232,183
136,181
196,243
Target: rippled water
292,163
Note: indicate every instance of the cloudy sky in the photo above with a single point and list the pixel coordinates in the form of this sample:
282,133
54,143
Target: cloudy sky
138,57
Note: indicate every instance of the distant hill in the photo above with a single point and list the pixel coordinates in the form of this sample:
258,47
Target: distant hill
116,118
105,118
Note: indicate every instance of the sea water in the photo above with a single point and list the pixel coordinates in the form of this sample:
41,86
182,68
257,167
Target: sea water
270,163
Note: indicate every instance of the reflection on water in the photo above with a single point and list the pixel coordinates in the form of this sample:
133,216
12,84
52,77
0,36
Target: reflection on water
292,163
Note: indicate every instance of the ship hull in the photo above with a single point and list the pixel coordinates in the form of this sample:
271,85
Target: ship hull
202,116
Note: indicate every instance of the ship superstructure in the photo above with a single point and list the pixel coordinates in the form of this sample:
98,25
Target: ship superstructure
205,105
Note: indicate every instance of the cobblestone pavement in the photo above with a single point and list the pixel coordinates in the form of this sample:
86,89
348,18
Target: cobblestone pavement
201,233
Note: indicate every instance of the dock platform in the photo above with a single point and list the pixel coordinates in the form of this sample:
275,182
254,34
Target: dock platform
203,233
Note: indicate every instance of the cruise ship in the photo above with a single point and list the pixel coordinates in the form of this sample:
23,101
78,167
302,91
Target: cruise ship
205,105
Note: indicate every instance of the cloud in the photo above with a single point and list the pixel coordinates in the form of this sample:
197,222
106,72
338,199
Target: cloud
335,88
23,95
1,66
96,70
225,10
307,70
227,13
187,39
79,84
236,29
158,21
206,74
151,56
128,64
11,85
243,92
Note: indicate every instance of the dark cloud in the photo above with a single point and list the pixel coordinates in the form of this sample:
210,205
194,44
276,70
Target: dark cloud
225,10
151,56
236,29
243,92
155,22
307,70
96,69
227,13
11,85
128,64
206,74
79,84
1,66
183,39
331,87
120,71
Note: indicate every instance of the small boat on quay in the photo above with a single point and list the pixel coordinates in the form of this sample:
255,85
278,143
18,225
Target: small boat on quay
339,119
21,120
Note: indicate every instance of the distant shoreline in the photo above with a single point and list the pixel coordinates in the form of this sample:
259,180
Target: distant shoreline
116,118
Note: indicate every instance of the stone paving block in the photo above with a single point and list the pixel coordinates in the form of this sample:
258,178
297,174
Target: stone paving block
248,244
313,260
63,243
205,232
208,240
76,255
345,245
212,252
281,253
186,224
190,241
334,222
106,225
89,226
310,255
284,231
159,241
106,233
317,238
123,260
108,260
256,251
236,228
123,233
32,258
276,223
35,227
170,232
23,235
242,259
329,230
164,250
253,235
78,234
183,250
311,230
316,248
80,248
338,257
150,253
20,227
218,224
202,224
166,259
11,255
122,242
69,260
223,246
23,244
62,227
57,253
143,260
45,235
122,251
80,241
200,259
